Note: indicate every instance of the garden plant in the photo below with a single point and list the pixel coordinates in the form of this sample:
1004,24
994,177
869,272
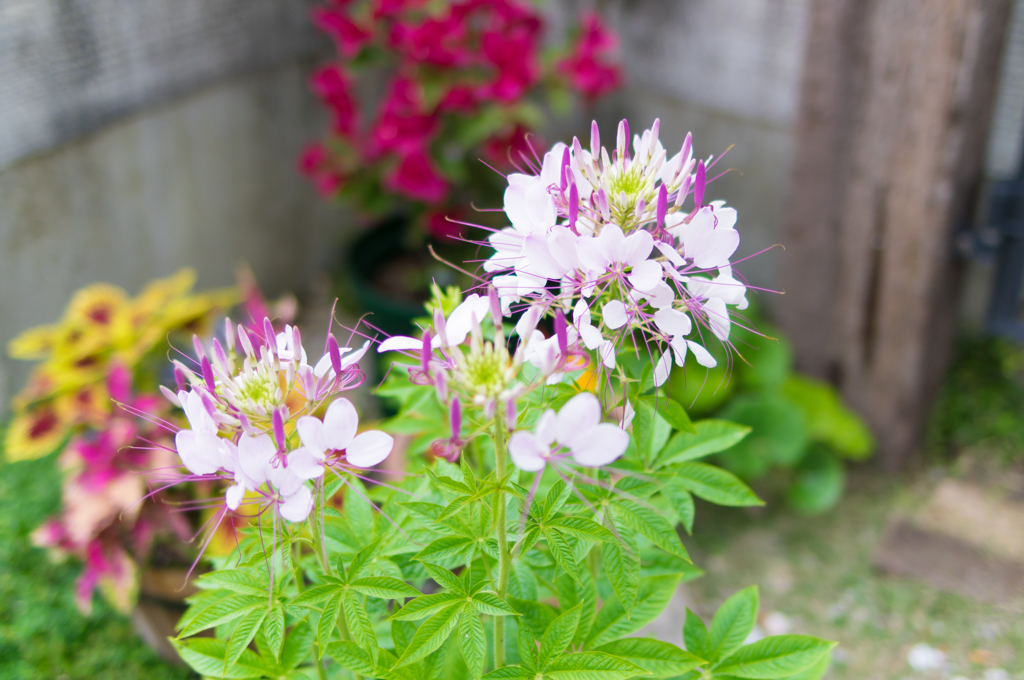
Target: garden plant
534,529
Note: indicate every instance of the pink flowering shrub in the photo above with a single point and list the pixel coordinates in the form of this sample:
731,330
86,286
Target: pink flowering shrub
463,81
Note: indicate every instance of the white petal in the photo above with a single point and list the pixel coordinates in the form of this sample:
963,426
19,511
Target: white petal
614,314
607,352
646,275
669,251
254,455
562,245
672,321
718,318
323,366
592,337
527,453
196,452
600,445
354,357
311,432
547,429
678,345
662,296
528,321
540,259
703,356
635,248
591,257
579,415
369,448
234,495
662,369
297,506
399,343
305,463
340,424
460,323
609,241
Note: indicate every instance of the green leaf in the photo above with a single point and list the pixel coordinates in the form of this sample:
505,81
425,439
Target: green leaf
651,526
816,671
829,421
223,610
673,413
583,593
358,511
296,645
558,636
527,647
523,583
384,587
591,666
712,436
244,581
431,635
316,594
658,658
206,657
242,635
715,485
562,553
426,605
535,615
581,528
818,482
613,622
682,502
490,603
445,578
558,494
778,434
447,548
359,625
511,673
778,656
622,566
472,642
733,623
351,656
695,635
273,629
328,621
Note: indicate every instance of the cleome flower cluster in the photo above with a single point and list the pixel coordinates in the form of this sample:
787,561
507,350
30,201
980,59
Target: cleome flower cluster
251,406
611,239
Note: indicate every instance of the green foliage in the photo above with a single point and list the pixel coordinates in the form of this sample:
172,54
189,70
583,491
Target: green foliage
42,633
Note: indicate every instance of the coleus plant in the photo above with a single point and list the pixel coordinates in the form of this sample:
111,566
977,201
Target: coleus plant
535,528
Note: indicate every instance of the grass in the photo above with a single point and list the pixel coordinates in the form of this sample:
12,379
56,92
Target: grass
42,633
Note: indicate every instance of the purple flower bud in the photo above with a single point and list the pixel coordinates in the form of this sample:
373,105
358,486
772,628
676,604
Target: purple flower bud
652,143
698,187
455,417
425,353
683,191
243,340
208,374
511,414
441,385
279,429
296,343
595,139
623,139
574,207
565,168
269,336
197,345
577,150
662,205
179,378
687,147
219,355
335,353
602,204
439,326
562,333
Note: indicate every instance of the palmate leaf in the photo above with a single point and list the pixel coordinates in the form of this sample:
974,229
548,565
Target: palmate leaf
660,659
206,657
673,413
426,605
562,553
242,635
448,548
613,622
317,594
558,636
733,623
359,625
584,594
695,635
591,666
273,629
527,645
243,581
445,578
296,645
715,485
328,621
472,641
223,610
779,656
490,603
351,656
432,634
581,528
651,526
534,615
384,587
622,566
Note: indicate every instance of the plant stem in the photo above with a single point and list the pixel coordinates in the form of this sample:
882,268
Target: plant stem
504,557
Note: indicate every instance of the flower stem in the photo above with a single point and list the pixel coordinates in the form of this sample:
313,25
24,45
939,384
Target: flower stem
504,557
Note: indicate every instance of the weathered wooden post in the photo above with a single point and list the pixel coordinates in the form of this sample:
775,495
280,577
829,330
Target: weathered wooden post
895,106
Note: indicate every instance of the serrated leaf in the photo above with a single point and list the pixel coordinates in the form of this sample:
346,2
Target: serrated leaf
510,673
583,593
591,666
445,578
695,635
778,656
562,553
682,502
447,548
328,621
384,587
622,566
715,485
558,636
242,635
527,645
711,436
581,528
523,582
660,659
651,526
244,581
558,494
472,642
351,656
206,657
733,623
816,671
612,621
673,413
535,615
426,605
316,594
490,603
431,635
296,645
273,629
222,611
359,625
